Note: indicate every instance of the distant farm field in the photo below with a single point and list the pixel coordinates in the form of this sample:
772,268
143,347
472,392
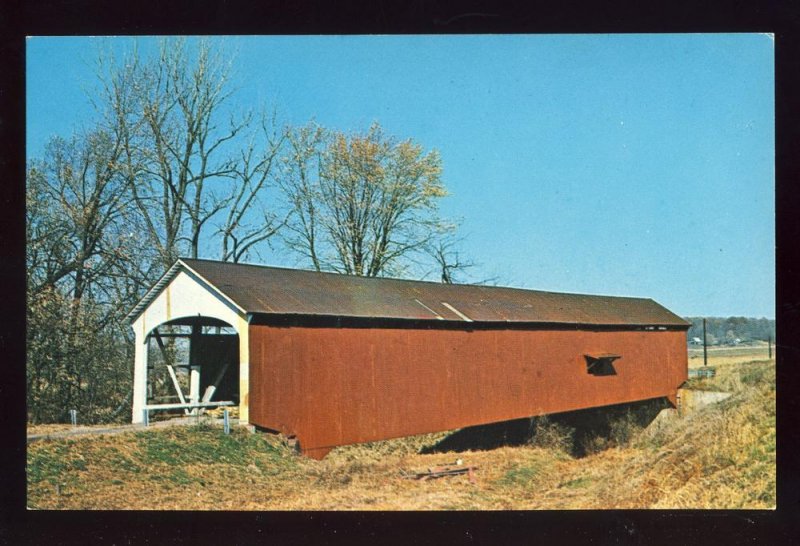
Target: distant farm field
721,456
729,355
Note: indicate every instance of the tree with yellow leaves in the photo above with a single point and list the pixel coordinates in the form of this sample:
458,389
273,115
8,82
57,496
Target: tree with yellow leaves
364,203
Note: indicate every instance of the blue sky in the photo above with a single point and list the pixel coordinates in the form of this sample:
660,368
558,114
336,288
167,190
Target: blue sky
639,165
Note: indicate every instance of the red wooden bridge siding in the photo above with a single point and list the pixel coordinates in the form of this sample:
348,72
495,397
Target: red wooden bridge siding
338,386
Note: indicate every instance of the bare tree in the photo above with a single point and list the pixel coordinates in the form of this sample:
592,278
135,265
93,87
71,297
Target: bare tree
75,196
362,203
448,258
167,111
47,233
257,164
76,202
299,182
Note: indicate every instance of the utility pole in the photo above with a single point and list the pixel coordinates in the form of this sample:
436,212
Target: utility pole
769,340
705,345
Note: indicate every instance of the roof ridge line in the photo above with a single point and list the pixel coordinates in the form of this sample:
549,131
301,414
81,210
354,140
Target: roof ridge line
415,281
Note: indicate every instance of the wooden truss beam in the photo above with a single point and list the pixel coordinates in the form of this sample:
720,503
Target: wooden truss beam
170,369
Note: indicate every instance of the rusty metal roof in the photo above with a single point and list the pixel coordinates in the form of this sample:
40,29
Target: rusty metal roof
271,290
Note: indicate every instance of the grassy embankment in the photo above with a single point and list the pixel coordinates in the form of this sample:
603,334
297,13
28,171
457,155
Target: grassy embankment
722,456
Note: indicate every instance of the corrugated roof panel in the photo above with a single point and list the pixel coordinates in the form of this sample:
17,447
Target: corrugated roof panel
272,290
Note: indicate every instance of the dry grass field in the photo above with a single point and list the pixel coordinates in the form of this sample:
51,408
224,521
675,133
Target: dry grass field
722,456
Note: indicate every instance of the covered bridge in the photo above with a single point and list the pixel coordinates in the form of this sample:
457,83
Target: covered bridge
336,359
